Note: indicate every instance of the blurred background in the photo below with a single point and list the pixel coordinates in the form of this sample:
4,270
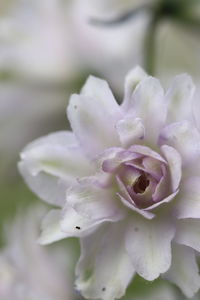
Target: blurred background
47,50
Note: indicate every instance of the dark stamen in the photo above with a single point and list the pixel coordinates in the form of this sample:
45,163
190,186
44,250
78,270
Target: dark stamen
141,184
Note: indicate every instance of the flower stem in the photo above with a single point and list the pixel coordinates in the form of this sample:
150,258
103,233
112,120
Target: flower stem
150,47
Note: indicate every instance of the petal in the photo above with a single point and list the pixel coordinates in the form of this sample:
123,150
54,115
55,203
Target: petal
54,155
188,201
148,243
99,90
130,130
132,79
95,203
188,233
184,270
111,164
104,269
147,152
145,214
179,97
149,105
73,224
184,138
51,164
49,188
174,163
51,230
165,200
93,116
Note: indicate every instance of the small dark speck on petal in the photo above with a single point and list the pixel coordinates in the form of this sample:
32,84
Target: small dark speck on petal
75,106
77,227
136,229
103,289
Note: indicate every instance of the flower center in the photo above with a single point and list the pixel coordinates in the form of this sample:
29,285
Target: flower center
141,184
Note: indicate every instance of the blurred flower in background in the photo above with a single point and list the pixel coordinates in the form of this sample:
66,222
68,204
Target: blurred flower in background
29,271
47,49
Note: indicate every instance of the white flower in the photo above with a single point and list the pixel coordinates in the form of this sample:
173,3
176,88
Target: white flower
127,182
29,271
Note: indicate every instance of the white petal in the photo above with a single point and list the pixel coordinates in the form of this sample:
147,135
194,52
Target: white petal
174,164
184,270
54,155
149,105
99,90
188,233
148,243
51,230
132,79
104,269
188,201
93,116
130,130
49,188
76,225
179,97
184,138
95,203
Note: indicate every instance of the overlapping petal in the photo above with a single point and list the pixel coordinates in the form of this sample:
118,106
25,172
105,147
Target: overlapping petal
90,112
149,245
184,270
104,269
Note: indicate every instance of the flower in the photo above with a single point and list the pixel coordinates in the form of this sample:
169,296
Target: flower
126,181
29,271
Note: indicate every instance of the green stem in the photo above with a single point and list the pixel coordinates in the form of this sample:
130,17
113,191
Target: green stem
150,47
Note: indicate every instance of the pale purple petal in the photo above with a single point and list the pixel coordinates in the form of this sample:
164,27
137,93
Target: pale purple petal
184,270
165,200
111,164
148,243
185,138
143,150
143,213
174,165
153,167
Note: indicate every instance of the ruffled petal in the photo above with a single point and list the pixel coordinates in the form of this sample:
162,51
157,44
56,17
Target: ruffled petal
149,245
51,230
49,188
104,269
185,138
93,115
131,130
179,97
74,224
188,201
149,105
133,78
174,163
184,270
188,233
51,164
95,203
